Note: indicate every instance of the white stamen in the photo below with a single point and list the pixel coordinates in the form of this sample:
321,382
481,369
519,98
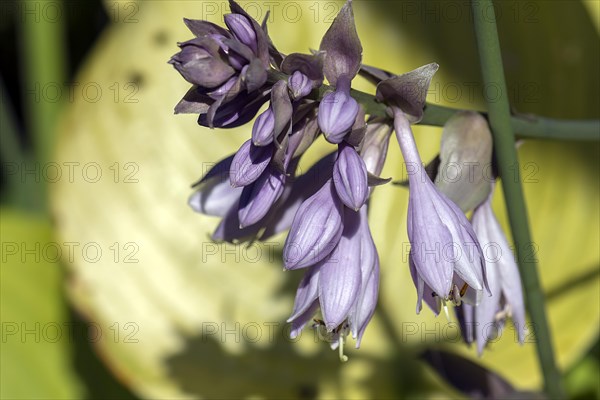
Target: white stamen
343,358
446,311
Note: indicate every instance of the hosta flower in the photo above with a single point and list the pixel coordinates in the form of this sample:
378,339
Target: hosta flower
506,300
259,192
343,55
465,169
445,252
344,285
442,240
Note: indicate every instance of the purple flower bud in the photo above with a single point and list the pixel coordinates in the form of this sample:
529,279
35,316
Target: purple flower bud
337,112
408,91
316,229
249,163
300,85
214,195
204,28
257,198
343,51
350,177
262,130
304,187
242,29
234,113
200,62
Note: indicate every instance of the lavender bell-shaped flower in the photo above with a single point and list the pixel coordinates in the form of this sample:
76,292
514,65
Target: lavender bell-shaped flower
443,242
257,199
343,55
504,280
214,195
345,285
316,229
248,164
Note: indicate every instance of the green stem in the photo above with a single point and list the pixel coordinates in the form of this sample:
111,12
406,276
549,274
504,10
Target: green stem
43,58
525,126
506,154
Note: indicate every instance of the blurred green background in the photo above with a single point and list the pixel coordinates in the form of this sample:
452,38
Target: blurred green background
110,287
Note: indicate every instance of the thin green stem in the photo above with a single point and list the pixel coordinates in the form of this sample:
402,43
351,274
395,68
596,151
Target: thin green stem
506,154
525,126
43,59
15,160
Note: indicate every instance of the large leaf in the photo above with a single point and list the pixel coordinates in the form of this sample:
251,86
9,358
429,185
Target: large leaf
187,310
36,332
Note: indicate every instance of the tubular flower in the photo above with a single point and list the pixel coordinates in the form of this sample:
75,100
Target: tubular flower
344,285
489,316
259,191
443,242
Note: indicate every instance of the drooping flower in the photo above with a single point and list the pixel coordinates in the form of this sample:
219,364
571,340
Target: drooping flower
445,251
344,285
506,300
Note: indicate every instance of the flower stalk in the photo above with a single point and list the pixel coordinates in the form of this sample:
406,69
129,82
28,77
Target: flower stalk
506,154
525,126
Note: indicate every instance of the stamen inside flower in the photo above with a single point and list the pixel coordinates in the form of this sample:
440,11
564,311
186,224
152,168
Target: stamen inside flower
343,357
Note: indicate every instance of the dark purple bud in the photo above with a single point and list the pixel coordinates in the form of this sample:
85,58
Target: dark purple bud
257,198
350,177
202,28
238,53
242,29
195,101
337,112
237,112
248,164
316,229
343,51
255,76
282,107
262,41
310,65
299,85
228,90
200,62
262,130
407,92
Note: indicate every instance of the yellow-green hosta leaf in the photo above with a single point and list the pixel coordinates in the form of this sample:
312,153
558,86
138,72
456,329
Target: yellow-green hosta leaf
36,332
184,314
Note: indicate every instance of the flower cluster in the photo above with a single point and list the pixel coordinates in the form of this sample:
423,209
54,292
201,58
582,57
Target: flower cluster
258,191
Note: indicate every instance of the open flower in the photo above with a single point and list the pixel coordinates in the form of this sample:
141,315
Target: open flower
344,285
506,300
